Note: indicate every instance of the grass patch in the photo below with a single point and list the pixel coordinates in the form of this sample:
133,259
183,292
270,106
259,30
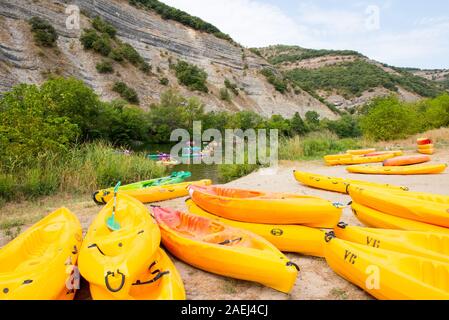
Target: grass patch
81,170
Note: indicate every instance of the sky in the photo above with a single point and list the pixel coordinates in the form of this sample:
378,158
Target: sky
398,32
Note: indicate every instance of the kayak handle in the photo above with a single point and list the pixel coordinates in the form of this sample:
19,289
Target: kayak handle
106,281
156,278
329,236
292,264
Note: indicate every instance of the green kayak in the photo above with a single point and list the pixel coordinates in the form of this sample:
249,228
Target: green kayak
175,177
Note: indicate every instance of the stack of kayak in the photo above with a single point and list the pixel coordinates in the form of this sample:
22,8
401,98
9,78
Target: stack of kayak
417,211
125,262
425,146
391,264
155,190
360,157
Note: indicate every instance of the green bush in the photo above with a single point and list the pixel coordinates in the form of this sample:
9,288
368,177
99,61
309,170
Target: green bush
230,172
279,83
224,95
44,33
191,76
88,38
231,86
164,81
116,54
104,27
345,127
388,119
298,126
102,45
105,66
127,93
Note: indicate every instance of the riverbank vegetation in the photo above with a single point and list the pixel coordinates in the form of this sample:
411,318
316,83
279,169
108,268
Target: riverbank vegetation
51,135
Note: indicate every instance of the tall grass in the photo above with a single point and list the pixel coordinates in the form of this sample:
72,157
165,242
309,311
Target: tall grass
315,145
81,170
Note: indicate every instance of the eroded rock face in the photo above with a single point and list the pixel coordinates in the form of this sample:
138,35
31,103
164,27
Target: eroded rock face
157,40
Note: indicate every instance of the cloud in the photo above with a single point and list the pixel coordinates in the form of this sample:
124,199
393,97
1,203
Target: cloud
329,24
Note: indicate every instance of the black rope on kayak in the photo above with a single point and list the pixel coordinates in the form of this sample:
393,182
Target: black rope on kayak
94,245
292,264
106,281
156,278
230,241
94,197
347,188
329,236
349,203
75,250
27,281
342,225
154,206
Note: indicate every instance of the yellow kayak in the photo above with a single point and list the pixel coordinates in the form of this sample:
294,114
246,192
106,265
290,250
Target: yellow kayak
37,265
360,159
266,207
287,238
360,152
161,281
338,184
425,244
157,193
377,219
218,248
407,170
114,260
423,208
388,275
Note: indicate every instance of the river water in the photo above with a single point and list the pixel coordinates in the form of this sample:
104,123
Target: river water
199,171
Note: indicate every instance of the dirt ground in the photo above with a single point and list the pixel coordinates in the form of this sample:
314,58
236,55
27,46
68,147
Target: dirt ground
315,281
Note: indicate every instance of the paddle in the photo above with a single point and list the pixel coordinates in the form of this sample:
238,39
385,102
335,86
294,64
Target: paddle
110,222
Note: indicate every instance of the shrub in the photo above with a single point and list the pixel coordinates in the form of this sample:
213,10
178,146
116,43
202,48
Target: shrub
164,81
102,45
104,27
105,66
298,126
44,33
88,38
224,95
145,67
388,119
191,76
116,55
231,86
127,93
279,83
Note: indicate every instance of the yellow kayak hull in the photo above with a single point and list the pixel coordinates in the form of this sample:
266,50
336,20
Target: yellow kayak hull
113,260
37,265
361,152
431,245
377,219
287,238
388,275
422,207
359,159
161,281
267,208
159,193
218,248
338,184
408,170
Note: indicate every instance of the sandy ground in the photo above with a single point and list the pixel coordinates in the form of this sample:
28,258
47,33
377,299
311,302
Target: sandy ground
316,280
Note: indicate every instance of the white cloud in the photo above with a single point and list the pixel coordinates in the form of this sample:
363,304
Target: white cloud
254,24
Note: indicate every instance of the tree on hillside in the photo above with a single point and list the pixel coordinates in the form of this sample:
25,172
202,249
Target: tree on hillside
297,125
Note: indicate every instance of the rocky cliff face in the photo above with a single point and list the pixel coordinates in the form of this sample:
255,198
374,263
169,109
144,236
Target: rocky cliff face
159,41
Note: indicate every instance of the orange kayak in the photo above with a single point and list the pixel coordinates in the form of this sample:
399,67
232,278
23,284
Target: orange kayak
218,248
264,207
423,141
406,161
